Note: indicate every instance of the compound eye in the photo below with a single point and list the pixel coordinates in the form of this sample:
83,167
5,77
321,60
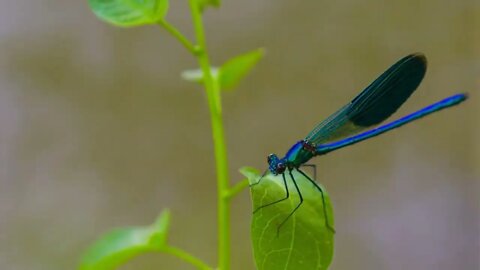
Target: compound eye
270,157
280,167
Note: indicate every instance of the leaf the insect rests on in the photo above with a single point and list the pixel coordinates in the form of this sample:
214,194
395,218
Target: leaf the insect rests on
121,245
129,13
233,71
303,242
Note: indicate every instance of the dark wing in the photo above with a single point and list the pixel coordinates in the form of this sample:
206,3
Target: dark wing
374,104
435,107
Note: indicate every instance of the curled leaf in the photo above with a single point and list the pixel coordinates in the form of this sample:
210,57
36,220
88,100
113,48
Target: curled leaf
229,74
196,75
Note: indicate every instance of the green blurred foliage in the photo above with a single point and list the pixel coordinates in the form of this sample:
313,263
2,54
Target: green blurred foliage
121,245
128,13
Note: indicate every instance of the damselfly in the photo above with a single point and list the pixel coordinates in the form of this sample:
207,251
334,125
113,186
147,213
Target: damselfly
373,105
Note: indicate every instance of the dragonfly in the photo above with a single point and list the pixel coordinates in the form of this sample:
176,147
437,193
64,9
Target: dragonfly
349,124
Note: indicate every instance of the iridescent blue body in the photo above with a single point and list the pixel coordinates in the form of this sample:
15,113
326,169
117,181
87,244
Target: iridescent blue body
346,126
373,105
298,154
301,152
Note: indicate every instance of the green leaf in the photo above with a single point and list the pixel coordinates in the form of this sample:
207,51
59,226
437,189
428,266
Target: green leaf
128,13
303,242
205,3
230,74
235,69
120,245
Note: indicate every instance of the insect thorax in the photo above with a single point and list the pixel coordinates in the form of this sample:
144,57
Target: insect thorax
300,153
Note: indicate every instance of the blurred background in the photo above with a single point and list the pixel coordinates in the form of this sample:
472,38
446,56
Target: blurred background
97,130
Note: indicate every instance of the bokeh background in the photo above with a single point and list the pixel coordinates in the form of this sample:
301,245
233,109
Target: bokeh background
97,130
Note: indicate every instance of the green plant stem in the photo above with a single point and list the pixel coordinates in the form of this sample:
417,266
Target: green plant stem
237,188
186,257
214,103
178,35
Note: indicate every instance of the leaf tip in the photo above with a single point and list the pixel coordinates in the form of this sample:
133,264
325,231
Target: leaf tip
251,173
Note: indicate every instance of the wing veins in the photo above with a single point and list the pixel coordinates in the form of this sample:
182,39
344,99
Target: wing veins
374,104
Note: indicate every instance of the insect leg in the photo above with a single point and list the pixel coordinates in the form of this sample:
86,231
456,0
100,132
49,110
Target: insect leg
327,224
277,201
261,177
314,168
296,207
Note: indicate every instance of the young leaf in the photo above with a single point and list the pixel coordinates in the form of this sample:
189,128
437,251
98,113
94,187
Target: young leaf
128,13
205,3
120,245
303,242
196,75
230,74
236,68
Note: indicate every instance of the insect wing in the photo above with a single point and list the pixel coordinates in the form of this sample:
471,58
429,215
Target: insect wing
374,104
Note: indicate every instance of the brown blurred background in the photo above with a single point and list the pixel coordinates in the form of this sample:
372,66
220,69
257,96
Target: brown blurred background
99,131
